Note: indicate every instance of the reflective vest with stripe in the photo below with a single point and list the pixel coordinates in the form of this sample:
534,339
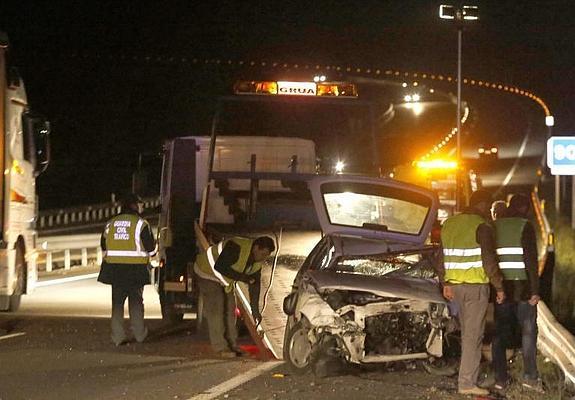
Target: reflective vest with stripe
461,252
205,262
508,233
123,243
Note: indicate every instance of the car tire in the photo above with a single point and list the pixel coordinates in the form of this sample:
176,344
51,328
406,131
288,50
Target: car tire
298,350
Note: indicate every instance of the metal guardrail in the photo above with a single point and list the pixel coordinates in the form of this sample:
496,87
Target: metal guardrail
64,251
85,215
554,341
547,238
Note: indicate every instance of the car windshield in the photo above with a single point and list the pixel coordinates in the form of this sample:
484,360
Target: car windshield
418,265
375,211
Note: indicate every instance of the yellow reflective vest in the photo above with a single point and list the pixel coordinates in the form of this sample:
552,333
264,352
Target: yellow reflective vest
123,243
508,233
206,262
461,252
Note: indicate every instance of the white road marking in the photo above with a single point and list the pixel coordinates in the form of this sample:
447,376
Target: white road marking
12,335
66,280
516,163
236,381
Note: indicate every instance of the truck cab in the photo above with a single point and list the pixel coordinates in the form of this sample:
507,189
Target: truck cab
24,154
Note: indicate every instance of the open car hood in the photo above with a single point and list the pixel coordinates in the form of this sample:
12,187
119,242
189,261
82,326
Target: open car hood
400,287
375,208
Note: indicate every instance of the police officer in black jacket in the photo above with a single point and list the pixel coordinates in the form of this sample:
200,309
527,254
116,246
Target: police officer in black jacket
128,243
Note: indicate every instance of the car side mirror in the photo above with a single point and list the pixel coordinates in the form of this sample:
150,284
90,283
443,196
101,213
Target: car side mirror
37,141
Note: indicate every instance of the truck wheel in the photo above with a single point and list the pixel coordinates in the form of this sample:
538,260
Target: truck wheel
169,315
20,267
298,350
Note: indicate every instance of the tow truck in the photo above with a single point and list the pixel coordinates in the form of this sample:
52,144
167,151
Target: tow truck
217,186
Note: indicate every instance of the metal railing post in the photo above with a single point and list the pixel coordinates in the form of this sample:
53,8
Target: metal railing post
49,261
67,259
84,257
99,255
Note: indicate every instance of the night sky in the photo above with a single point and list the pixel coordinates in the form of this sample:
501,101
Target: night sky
115,78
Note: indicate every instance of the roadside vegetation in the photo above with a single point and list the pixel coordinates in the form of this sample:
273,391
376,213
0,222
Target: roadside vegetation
564,280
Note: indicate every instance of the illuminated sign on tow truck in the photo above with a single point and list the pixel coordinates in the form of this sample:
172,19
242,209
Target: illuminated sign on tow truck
293,88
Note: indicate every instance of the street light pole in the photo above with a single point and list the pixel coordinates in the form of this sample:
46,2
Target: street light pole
459,15
458,180
550,122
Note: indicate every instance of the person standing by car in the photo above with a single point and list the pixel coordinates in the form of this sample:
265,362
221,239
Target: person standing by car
218,269
128,244
469,264
517,250
498,209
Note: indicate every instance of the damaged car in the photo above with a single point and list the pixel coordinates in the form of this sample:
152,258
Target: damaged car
367,292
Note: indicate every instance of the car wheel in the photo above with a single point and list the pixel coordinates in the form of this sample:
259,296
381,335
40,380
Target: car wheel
298,350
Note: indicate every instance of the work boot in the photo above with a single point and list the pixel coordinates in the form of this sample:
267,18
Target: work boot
535,385
240,352
141,337
501,386
227,354
476,391
122,342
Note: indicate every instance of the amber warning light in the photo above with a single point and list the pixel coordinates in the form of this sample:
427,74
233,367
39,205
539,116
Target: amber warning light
288,88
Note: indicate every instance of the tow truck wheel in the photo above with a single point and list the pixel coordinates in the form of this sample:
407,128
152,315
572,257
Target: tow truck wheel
20,266
169,314
298,350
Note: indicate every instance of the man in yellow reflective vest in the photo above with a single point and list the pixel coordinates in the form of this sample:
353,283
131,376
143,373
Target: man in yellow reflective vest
517,251
218,269
469,264
128,243
498,209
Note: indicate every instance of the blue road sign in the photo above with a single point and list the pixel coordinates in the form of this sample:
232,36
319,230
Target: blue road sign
561,155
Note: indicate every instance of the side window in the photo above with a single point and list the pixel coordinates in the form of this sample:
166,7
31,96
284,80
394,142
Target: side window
28,136
29,148
320,256
18,142
35,145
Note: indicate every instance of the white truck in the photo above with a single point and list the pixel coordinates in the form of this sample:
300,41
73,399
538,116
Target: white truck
224,183
24,154
188,200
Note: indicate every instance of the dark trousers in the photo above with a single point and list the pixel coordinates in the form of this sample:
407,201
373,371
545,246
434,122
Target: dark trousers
507,316
135,298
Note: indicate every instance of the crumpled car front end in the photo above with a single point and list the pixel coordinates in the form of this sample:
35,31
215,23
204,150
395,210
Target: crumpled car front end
367,320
